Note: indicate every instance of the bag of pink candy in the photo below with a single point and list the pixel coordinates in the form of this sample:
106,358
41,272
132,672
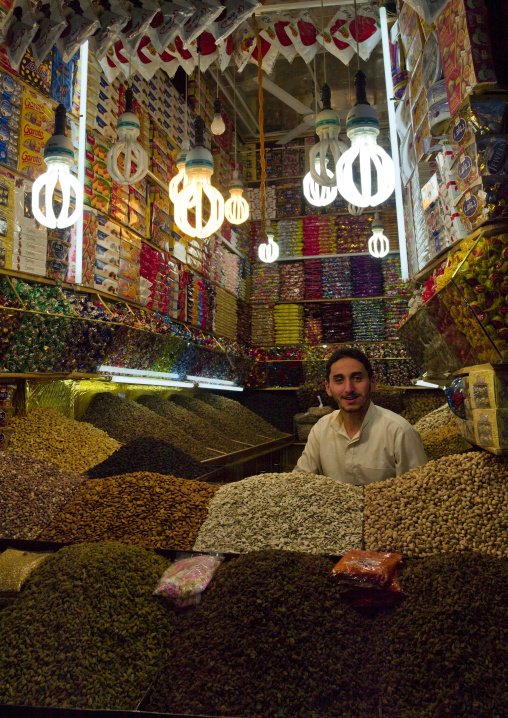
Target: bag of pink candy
184,581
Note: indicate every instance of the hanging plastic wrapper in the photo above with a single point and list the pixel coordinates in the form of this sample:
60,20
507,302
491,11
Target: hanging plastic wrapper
112,18
269,50
146,59
51,24
367,31
303,33
184,581
82,22
18,30
336,38
142,12
232,17
429,9
208,50
109,66
169,63
275,33
184,56
243,45
204,15
168,21
225,51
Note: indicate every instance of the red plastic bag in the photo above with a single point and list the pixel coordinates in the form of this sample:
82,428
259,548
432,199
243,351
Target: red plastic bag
368,569
365,597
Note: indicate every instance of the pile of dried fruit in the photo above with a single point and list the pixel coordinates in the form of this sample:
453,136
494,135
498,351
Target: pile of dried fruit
126,420
243,415
187,421
456,503
153,455
72,445
151,510
32,492
300,512
86,631
222,420
418,403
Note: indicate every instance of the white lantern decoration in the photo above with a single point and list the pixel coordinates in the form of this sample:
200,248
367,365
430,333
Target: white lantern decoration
379,246
236,208
199,170
269,250
315,193
364,154
217,126
180,177
128,129
329,146
59,158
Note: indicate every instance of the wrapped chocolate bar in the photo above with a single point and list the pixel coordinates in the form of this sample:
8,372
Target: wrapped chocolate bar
486,199
487,156
480,115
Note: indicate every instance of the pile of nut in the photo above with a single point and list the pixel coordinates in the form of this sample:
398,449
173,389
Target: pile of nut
241,414
437,419
151,510
300,512
125,420
85,632
444,442
419,402
457,503
32,492
73,445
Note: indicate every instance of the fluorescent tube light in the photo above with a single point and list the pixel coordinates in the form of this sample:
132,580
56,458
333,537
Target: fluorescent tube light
137,372
211,380
420,382
151,382
205,385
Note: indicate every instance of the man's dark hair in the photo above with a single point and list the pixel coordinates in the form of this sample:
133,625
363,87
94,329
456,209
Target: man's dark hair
350,353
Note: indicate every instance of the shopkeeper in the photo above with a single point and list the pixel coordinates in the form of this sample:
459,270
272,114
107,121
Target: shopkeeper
360,442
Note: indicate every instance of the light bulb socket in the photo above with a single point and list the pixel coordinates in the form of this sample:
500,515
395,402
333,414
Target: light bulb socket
361,88
217,106
199,132
326,97
60,120
129,98
59,147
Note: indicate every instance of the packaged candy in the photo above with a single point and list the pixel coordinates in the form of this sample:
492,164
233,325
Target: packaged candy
231,17
336,38
112,18
18,29
488,156
365,568
7,392
366,30
204,14
51,24
56,269
303,34
62,74
481,115
185,580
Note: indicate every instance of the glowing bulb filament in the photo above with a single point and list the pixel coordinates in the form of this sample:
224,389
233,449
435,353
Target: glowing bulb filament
367,155
317,194
58,173
268,252
379,246
192,196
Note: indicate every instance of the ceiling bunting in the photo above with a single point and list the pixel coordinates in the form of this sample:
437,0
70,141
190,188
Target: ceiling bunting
336,36
169,63
167,22
303,32
368,25
275,33
82,22
146,60
142,12
225,52
112,18
205,13
51,23
18,31
231,17
208,51
269,51
109,66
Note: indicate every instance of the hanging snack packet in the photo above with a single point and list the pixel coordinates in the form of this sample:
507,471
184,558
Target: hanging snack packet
208,50
142,12
112,17
336,38
146,59
169,63
303,33
429,9
18,30
204,15
185,57
365,569
243,45
109,67
269,51
369,30
82,22
274,32
231,17
51,25
225,50
167,22
184,581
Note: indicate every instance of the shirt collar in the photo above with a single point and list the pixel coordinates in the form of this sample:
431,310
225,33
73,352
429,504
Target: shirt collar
366,420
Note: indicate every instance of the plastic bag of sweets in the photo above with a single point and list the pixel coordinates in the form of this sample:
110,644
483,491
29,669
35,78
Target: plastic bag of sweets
184,581
365,569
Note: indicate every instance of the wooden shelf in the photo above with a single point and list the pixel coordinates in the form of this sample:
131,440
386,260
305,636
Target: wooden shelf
345,299
277,361
327,256
324,214
379,387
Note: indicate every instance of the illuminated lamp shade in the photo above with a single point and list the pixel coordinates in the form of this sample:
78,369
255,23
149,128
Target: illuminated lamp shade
236,208
128,129
199,170
364,155
59,158
315,193
180,178
217,125
379,246
328,147
269,250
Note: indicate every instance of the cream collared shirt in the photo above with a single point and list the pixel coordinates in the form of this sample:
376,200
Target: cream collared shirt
386,445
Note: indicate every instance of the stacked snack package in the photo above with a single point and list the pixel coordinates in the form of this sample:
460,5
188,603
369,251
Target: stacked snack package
225,316
369,320
319,236
12,95
289,197
7,200
313,271
395,310
265,283
292,159
30,239
353,233
337,282
336,322
367,276
313,329
289,237
37,125
244,322
102,102
160,229
392,282
288,324
292,283
253,196
262,326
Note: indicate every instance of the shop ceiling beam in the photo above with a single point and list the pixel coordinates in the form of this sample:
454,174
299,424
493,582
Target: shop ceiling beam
246,107
306,5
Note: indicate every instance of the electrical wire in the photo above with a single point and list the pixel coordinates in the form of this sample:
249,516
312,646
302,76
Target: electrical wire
323,33
357,36
261,122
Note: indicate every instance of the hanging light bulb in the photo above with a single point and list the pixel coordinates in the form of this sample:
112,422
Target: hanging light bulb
379,246
218,125
363,129
199,169
329,146
269,250
174,185
315,193
355,211
128,129
59,158
236,208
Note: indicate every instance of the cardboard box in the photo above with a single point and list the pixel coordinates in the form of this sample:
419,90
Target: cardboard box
488,387
491,428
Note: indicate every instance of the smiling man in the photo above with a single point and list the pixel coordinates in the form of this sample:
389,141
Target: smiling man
359,443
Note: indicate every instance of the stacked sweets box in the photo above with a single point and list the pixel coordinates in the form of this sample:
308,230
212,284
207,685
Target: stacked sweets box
102,102
162,272
30,239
